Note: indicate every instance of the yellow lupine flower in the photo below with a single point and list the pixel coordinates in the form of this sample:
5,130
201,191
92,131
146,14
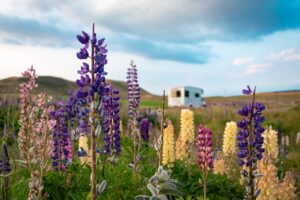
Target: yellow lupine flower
187,129
268,183
187,134
219,165
168,156
270,143
83,143
180,154
229,139
287,188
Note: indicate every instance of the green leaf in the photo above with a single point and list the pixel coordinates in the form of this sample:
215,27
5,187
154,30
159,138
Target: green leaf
162,197
152,189
101,187
169,189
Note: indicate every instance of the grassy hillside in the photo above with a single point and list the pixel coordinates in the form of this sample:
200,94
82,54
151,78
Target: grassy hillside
55,86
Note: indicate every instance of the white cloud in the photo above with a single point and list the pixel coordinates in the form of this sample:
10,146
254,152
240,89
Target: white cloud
242,61
286,55
256,68
190,20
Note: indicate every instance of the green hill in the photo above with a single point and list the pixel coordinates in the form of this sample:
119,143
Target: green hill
9,87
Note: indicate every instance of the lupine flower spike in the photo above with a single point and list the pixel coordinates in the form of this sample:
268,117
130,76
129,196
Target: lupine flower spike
287,188
230,147
111,122
26,120
92,90
205,155
250,141
186,136
133,108
62,146
168,154
133,91
229,139
35,134
270,144
268,183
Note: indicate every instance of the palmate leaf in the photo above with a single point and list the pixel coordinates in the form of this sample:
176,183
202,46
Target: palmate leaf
152,189
167,186
154,179
169,189
164,176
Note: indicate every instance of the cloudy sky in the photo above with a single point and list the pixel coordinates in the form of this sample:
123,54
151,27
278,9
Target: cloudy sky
218,45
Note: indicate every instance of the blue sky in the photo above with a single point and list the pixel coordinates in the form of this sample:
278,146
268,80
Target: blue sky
218,46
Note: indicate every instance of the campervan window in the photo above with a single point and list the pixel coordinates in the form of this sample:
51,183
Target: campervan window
187,93
197,95
175,93
178,93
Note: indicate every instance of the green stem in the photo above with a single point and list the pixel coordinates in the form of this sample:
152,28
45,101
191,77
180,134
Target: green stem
204,183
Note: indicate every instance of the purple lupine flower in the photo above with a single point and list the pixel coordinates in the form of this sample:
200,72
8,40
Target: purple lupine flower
90,89
83,54
144,129
90,95
250,138
205,154
85,68
250,141
84,38
62,147
111,121
247,91
5,159
133,91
